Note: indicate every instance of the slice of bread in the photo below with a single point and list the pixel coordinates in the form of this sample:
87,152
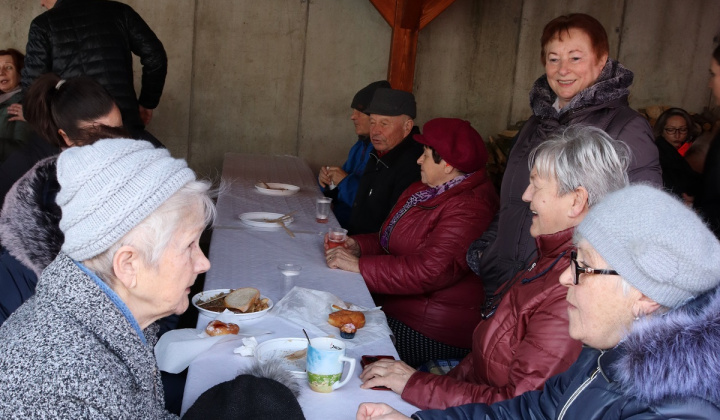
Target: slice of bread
242,299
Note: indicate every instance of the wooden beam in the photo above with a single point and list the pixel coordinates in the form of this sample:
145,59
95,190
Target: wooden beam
431,10
407,18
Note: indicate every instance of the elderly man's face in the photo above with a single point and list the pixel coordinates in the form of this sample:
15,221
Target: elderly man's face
361,121
166,287
387,132
600,313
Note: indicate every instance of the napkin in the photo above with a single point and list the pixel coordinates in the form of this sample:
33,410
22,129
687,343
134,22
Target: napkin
310,308
177,348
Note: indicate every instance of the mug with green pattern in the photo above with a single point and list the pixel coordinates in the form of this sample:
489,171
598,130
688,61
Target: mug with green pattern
325,358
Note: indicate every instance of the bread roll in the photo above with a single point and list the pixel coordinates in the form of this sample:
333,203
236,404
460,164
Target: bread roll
220,328
340,318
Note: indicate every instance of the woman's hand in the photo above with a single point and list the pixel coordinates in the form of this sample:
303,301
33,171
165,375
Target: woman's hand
393,374
376,411
342,258
16,111
351,245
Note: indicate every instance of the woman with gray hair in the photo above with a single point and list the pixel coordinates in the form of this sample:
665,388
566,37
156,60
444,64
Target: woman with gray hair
523,338
82,346
642,293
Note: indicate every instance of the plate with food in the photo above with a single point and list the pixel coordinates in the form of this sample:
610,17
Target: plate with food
275,188
291,352
245,303
263,219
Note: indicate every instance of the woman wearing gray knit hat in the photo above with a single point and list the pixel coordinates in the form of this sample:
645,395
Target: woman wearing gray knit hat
643,297
82,347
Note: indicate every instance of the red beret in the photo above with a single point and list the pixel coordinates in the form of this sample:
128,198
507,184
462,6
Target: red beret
456,142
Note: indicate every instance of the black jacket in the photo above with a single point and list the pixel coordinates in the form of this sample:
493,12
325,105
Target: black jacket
707,201
384,179
678,177
97,38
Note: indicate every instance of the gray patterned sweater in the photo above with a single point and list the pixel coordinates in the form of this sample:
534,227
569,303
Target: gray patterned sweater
68,352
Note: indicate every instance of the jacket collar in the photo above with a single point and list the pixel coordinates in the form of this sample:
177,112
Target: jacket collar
389,158
612,84
552,245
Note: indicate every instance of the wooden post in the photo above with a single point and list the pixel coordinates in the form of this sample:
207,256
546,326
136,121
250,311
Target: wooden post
407,18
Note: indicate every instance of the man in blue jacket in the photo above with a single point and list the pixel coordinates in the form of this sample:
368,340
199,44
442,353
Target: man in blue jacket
341,183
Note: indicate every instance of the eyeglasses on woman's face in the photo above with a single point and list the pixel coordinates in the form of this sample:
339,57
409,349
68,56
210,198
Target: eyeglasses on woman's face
672,130
587,270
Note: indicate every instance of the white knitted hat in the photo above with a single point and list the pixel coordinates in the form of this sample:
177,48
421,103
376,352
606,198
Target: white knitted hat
109,187
655,242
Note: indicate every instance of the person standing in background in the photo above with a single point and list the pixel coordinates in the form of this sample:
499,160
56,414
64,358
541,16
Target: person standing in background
97,38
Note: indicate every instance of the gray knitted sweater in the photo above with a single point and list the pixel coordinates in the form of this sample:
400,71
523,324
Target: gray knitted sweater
69,352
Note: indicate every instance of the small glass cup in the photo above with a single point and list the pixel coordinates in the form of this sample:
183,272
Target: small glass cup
289,272
322,209
336,237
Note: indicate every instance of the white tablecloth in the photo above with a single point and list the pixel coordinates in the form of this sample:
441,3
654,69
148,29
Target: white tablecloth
246,256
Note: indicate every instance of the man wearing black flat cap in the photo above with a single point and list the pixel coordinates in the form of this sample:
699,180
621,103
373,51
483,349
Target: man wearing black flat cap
341,183
392,166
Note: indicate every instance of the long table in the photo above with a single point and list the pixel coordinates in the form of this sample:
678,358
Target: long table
246,256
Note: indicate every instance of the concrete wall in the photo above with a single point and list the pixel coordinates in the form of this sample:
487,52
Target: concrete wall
277,76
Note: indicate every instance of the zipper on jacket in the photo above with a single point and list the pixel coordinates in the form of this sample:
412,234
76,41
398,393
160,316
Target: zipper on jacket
577,392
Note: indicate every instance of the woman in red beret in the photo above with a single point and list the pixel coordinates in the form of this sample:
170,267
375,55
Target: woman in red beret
415,266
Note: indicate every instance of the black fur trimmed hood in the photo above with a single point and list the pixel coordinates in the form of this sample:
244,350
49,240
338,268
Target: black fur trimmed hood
29,221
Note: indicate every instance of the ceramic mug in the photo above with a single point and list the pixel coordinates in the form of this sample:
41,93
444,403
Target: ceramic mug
325,358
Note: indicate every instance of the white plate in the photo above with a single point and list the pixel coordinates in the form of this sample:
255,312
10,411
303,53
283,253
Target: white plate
280,348
277,189
240,317
257,219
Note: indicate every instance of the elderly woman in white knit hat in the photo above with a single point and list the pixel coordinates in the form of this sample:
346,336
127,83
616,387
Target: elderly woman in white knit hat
82,347
643,297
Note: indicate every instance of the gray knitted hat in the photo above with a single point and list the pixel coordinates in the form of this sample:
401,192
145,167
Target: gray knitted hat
655,242
109,187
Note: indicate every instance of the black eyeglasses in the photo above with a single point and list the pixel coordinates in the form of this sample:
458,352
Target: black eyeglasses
587,270
673,130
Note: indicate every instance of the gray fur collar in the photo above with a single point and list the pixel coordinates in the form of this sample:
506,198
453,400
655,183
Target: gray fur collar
612,84
676,355
29,221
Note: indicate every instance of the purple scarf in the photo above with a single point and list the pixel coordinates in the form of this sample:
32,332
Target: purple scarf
415,199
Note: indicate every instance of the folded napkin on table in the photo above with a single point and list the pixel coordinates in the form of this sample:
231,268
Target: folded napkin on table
310,308
177,348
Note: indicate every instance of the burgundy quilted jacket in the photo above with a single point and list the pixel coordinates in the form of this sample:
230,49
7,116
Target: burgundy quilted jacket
523,344
424,280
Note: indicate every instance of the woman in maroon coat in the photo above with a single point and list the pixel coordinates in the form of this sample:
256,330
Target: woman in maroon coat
415,266
524,339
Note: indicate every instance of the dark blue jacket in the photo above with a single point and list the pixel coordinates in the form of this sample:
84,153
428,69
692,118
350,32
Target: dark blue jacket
344,194
667,368
30,237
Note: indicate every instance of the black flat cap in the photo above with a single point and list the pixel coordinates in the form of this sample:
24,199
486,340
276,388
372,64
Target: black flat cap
364,96
392,102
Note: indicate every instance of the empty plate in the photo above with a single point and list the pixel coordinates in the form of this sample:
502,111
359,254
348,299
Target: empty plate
274,188
260,219
291,352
